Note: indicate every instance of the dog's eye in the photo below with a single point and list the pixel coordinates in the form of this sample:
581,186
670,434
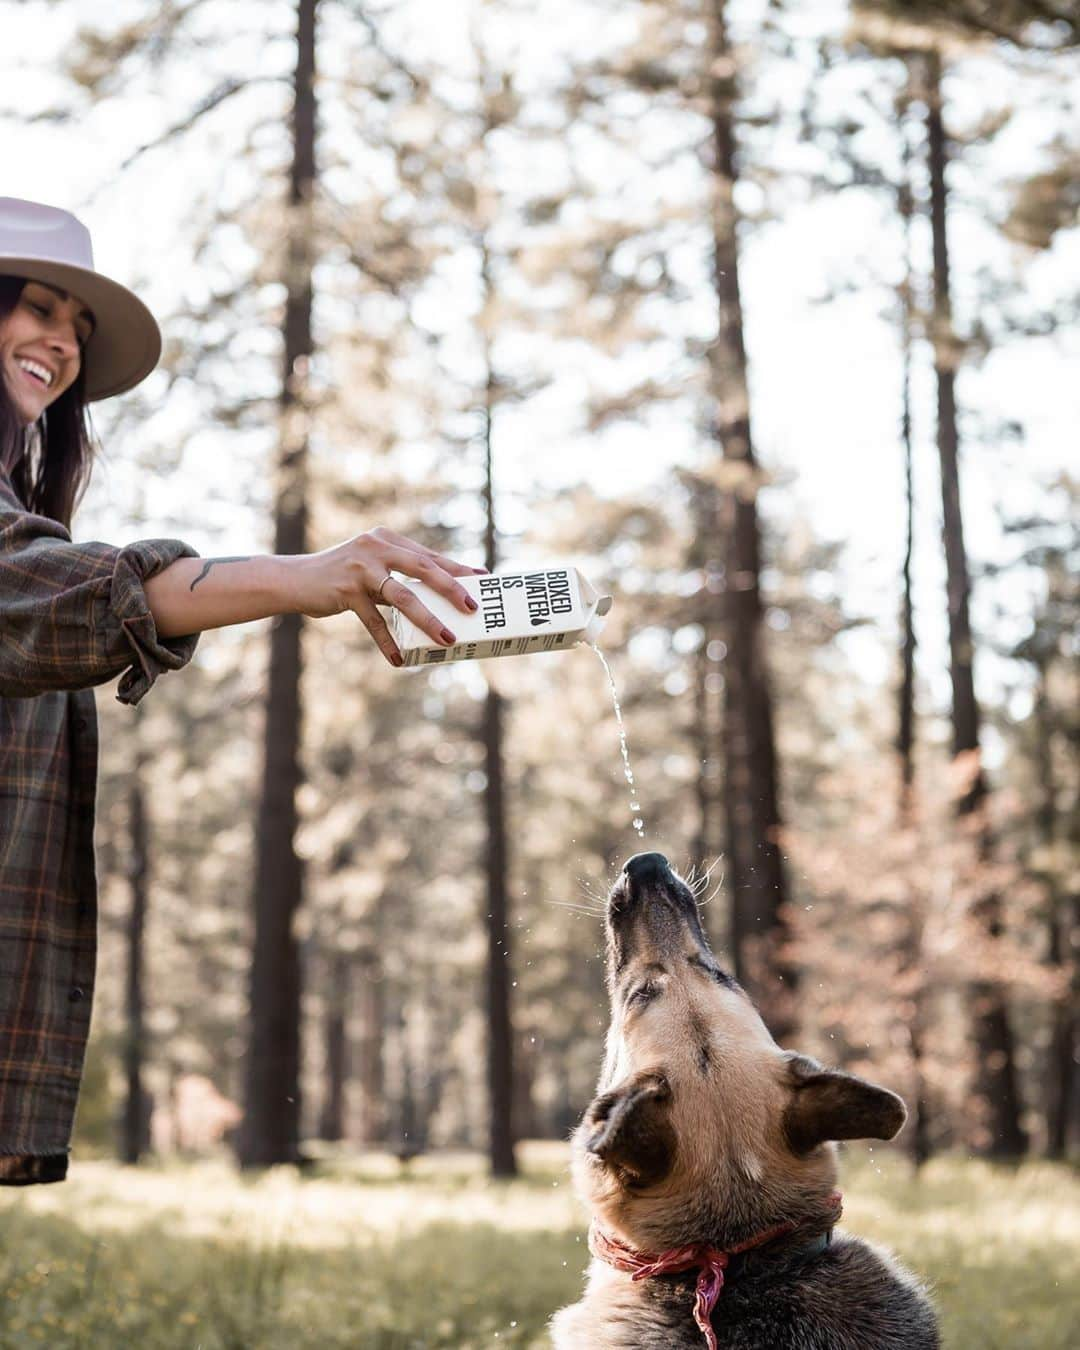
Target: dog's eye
642,994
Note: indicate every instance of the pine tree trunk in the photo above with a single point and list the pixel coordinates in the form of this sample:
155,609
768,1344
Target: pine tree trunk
524,1114
754,864
919,1133
500,1017
500,1045
965,713
705,735
136,1119
271,1128
332,1115
371,1073
1000,1134
436,1077
409,1143
1063,929
905,737
708,844
1063,1057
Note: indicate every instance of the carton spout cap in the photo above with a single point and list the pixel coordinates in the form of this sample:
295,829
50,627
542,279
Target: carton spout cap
595,625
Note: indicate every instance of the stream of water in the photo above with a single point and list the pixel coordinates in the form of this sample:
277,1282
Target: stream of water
635,805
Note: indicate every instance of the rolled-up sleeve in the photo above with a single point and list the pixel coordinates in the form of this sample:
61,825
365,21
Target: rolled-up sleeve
74,615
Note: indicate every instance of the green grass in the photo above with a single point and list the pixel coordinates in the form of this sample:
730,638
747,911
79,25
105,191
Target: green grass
195,1257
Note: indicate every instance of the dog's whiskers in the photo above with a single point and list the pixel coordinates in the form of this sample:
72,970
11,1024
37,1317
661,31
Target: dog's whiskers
578,909
701,882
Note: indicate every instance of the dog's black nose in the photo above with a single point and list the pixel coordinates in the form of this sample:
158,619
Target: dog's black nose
646,866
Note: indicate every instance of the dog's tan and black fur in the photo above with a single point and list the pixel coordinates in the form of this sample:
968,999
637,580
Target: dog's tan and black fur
705,1131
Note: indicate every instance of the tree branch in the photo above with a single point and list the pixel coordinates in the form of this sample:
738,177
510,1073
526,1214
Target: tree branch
213,100
360,13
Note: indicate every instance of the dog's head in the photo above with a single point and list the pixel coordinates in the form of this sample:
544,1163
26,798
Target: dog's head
704,1129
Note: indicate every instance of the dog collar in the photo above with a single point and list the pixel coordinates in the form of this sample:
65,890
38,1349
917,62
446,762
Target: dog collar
710,1262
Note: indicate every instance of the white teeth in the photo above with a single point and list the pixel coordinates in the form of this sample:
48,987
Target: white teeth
42,372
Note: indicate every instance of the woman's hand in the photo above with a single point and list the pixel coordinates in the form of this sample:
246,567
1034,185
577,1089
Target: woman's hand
194,594
356,575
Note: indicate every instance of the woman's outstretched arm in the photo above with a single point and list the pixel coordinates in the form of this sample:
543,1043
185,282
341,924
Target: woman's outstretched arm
194,594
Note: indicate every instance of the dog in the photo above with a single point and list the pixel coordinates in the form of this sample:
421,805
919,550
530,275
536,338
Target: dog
708,1164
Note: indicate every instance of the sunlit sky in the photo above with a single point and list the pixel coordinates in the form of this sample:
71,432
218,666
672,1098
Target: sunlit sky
825,375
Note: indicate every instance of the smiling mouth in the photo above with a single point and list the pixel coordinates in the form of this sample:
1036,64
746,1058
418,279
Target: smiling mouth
36,378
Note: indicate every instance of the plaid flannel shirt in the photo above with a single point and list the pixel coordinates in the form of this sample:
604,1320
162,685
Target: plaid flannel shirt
71,616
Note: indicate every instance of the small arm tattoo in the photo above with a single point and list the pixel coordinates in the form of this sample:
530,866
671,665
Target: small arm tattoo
213,563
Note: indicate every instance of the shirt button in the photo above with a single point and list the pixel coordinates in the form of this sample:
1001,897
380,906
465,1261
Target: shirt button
76,995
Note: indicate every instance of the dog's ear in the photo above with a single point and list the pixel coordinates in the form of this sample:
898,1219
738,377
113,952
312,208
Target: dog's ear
828,1104
629,1129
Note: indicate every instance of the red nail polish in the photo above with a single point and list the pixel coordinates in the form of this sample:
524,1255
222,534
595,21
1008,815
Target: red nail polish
471,604
396,660
447,636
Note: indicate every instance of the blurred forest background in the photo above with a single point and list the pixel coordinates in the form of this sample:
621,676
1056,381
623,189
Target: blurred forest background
516,280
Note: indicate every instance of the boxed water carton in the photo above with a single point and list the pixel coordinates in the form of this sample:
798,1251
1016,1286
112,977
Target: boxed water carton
535,609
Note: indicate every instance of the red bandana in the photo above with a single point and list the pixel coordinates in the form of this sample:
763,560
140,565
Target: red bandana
709,1262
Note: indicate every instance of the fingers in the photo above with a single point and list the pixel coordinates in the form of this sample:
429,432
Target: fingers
428,568
383,550
455,569
405,599
374,622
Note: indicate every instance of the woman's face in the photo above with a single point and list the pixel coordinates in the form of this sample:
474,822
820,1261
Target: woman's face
41,343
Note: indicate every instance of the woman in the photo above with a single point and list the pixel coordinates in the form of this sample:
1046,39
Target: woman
75,615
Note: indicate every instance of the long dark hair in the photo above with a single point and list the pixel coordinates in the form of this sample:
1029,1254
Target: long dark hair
49,463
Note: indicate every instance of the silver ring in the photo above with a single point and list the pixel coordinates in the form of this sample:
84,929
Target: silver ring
379,593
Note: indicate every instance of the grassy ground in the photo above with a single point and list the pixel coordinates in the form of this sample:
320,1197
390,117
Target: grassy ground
364,1256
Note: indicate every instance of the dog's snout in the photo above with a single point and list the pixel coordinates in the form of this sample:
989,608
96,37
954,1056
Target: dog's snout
644,867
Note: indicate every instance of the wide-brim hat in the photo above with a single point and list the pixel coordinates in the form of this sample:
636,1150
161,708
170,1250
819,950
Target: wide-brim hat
43,243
